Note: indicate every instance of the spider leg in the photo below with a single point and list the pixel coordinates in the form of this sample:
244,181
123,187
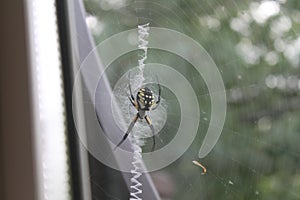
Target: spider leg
131,95
147,118
159,92
127,132
133,102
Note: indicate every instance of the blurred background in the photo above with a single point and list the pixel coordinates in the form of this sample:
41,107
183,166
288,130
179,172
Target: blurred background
256,47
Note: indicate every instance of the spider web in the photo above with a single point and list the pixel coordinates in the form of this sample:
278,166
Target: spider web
254,45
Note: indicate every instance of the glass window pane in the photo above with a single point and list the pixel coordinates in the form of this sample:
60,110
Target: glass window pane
229,76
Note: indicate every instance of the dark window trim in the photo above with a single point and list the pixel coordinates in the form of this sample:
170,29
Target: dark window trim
73,142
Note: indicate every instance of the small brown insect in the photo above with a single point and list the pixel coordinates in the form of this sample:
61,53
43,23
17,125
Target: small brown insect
199,164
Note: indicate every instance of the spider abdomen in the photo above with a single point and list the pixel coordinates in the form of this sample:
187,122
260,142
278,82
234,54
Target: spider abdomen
145,98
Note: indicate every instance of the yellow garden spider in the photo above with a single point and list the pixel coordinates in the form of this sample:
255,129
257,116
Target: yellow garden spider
143,103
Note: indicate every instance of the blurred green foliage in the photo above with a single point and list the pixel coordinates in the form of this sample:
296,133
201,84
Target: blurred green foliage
256,46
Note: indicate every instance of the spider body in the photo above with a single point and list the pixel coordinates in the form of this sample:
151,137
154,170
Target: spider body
145,99
143,103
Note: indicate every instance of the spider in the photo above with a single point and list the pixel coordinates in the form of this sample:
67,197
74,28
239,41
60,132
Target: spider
143,103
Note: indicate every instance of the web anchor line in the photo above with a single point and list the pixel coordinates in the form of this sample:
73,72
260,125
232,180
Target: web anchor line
136,185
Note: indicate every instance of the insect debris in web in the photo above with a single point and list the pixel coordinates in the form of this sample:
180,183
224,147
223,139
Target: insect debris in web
200,165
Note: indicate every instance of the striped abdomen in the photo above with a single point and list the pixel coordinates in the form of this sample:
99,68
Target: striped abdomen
145,98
